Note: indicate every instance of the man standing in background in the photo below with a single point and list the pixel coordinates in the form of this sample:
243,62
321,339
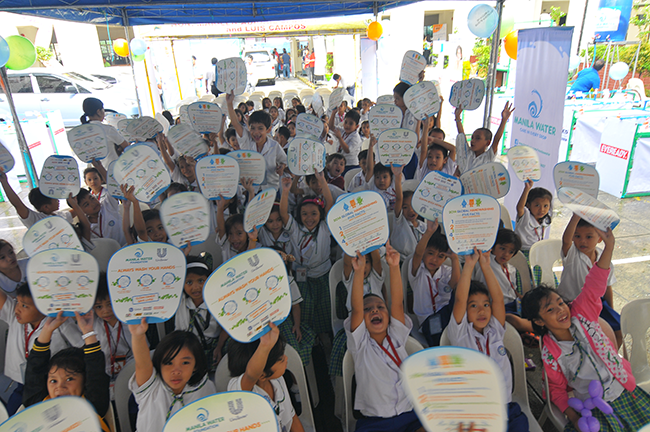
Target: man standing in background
211,78
286,63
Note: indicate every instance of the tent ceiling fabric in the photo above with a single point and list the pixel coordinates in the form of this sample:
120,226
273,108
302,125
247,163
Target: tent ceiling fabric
153,12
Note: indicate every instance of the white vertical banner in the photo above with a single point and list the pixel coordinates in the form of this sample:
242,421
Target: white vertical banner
540,92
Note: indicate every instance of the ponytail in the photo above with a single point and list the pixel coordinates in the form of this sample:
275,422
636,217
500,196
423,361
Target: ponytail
90,106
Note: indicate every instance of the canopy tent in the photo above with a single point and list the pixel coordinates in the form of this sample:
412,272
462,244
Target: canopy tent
154,12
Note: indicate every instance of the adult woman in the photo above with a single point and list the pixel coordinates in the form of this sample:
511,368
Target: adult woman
94,113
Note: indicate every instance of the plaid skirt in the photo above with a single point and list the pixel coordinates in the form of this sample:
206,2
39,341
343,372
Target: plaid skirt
631,409
339,348
537,273
315,307
305,345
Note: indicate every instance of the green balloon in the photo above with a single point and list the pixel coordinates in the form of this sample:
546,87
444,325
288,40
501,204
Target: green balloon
507,24
138,57
22,53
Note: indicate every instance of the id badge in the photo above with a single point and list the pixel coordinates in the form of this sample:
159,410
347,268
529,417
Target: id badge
435,324
301,274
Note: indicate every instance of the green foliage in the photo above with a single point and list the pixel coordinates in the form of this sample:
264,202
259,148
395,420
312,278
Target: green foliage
626,54
481,50
43,54
329,64
556,13
641,19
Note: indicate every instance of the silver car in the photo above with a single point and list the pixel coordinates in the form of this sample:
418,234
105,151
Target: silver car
39,90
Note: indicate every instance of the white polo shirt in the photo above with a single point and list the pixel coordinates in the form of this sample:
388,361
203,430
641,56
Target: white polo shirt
313,248
184,314
404,237
8,285
428,290
371,284
467,159
114,341
448,168
281,402
35,216
388,195
353,140
273,156
576,267
380,392
530,231
108,225
507,277
114,138
489,343
157,401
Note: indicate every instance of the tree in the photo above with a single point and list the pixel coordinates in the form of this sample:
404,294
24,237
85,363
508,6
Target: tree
641,19
481,50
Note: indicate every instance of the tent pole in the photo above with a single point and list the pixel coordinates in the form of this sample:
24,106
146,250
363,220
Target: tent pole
30,171
125,23
178,80
636,59
490,81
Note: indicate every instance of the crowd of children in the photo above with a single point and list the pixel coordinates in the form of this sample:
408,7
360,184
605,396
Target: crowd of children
53,356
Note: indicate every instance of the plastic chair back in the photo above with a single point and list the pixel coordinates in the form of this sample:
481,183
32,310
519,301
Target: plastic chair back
519,262
122,395
104,250
505,218
635,320
349,176
544,254
336,276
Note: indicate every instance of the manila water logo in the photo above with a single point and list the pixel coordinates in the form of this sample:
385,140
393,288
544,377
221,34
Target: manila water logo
202,415
534,110
236,410
231,272
138,253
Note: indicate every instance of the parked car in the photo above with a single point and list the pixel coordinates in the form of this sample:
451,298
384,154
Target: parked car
263,65
41,90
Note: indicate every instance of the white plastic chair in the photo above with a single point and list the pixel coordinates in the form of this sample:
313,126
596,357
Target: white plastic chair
104,250
635,320
551,411
273,94
306,100
505,217
336,276
306,92
208,98
122,395
410,185
415,331
323,91
294,364
259,93
544,254
347,178
109,418
349,422
519,262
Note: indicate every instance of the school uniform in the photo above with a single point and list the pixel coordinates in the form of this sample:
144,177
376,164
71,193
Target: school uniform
157,402
266,239
199,321
227,251
507,278
338,119
334,190
388,195
448,168
306,344
409,122
467,159
273,156
113,138
116,346
404,236
35,216
281,402
357,181
530,231
353,140
339,181
108,225
105,199
371,285
8,285
312,267
380,394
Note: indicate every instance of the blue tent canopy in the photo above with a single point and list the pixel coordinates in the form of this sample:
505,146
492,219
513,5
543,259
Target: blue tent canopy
142,12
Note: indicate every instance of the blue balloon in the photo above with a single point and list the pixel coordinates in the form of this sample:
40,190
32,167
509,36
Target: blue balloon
4,52
482,20
138,46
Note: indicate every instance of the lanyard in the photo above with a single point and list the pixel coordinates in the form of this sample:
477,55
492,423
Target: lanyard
100,235
433,297
99,195
305,245
109,336
487,345
27,338
539,238
394,357
507,272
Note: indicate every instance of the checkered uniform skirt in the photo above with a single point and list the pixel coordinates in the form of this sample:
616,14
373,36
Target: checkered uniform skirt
315,307
631,413
339,348
305,345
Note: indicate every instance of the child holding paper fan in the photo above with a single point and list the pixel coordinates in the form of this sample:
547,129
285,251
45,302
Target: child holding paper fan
174,377
231,235
580,252
407,228
576,350
182,170
70,372
435,153
103,218
274,235
534,211
483,147
479,323
433,282
13,271
311,235
380,178
259,367
380,395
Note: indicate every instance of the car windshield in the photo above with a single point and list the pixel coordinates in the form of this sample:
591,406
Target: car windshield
259,56
93,83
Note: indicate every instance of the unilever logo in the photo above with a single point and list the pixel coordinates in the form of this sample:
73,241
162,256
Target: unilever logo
202,415
534,110
234,410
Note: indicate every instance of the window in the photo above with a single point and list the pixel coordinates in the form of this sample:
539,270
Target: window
51,84
259,56
20,84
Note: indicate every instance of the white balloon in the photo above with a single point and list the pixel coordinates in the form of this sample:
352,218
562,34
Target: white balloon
618,71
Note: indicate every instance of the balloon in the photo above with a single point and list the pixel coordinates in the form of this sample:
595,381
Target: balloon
583,424
510,43
4,51
138,47
576,404
594,425
595,387
121,47
138,57
585,413
603,406
374,31
618,71
22,53
507,24
574,62
482,20
589,404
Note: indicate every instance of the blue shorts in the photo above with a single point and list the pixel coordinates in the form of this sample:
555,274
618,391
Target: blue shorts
405,422
610,315
511,308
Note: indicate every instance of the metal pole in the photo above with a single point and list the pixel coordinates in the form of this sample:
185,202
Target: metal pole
636,59
178,80
125,22
490,81
582,29
30,171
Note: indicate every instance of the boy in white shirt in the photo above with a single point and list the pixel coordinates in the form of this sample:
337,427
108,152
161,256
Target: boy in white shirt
104,218
359,178
255,138
380,178
432,283
579,253
480,151
377,342
25,324
478,323
435,153
348,138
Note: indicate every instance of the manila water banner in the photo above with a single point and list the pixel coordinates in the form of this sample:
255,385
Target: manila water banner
540,92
